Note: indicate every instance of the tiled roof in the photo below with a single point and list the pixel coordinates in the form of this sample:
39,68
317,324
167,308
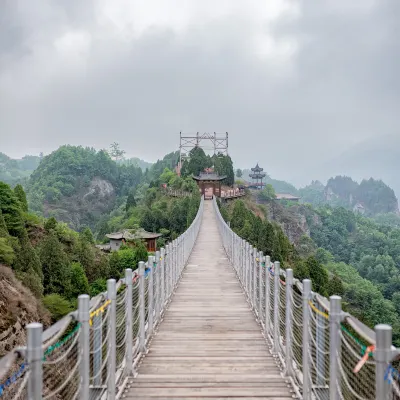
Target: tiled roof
128,235
209,177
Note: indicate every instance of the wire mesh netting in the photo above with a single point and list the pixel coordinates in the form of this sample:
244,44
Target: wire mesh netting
318,330
360,385
61,366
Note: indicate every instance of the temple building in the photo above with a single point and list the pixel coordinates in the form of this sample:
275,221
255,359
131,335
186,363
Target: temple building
257,177
209,183
129,237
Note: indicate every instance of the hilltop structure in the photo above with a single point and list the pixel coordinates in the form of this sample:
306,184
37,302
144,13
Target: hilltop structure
128,237
257,177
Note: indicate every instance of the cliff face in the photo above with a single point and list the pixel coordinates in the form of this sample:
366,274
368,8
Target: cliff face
84,207
18,307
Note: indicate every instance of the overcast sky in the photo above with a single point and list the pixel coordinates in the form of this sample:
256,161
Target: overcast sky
293,82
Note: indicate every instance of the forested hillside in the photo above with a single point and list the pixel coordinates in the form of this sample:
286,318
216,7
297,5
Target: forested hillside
17,171
341,251
77,185
370,197
57,263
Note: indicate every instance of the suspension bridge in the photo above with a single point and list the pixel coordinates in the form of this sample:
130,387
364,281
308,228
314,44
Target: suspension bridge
210,317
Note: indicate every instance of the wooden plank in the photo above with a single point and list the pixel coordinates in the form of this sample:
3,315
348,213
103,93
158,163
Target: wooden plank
208,344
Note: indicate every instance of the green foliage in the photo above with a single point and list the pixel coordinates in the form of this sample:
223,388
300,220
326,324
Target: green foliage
14,172
313,193
130,202
198,162
170,161
55,266
264,235
268,193
116,152
21,196
50,224
79,281
69,171
98,286
373,195
223,166
87,235
10,208
57,305
239,173
6,252
27,260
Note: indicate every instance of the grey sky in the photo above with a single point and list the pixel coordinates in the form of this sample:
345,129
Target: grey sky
294,82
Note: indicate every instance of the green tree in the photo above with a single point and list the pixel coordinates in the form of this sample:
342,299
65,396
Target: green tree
116,152
86,255
21,196
130,202
7,255
55,266
10,208
79,281
50,224
268,193
318,275
27,260
87,235
239,173
57,305
198,161
335,286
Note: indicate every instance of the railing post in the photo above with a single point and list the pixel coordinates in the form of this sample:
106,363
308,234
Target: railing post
142,313
112,339
129,322
162,282
289,322
150,311
276,306
250,268
254,277
306,340
170,270
335,318
382,356
157,285
84,345
35,360
260,284
245,247
267,296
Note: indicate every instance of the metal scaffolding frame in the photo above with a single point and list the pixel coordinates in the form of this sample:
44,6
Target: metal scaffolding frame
218,143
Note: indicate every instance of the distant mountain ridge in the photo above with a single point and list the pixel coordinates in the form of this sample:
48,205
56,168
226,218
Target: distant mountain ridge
378,158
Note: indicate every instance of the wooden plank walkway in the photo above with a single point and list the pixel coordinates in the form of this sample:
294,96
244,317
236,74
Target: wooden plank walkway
208,344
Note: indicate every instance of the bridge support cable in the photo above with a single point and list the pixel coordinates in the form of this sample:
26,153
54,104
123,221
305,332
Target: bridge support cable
92,352
325,352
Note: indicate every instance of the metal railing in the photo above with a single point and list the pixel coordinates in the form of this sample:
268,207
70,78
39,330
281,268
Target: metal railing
90,353
325,352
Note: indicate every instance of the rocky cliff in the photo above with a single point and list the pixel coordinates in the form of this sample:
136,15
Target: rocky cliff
18,307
